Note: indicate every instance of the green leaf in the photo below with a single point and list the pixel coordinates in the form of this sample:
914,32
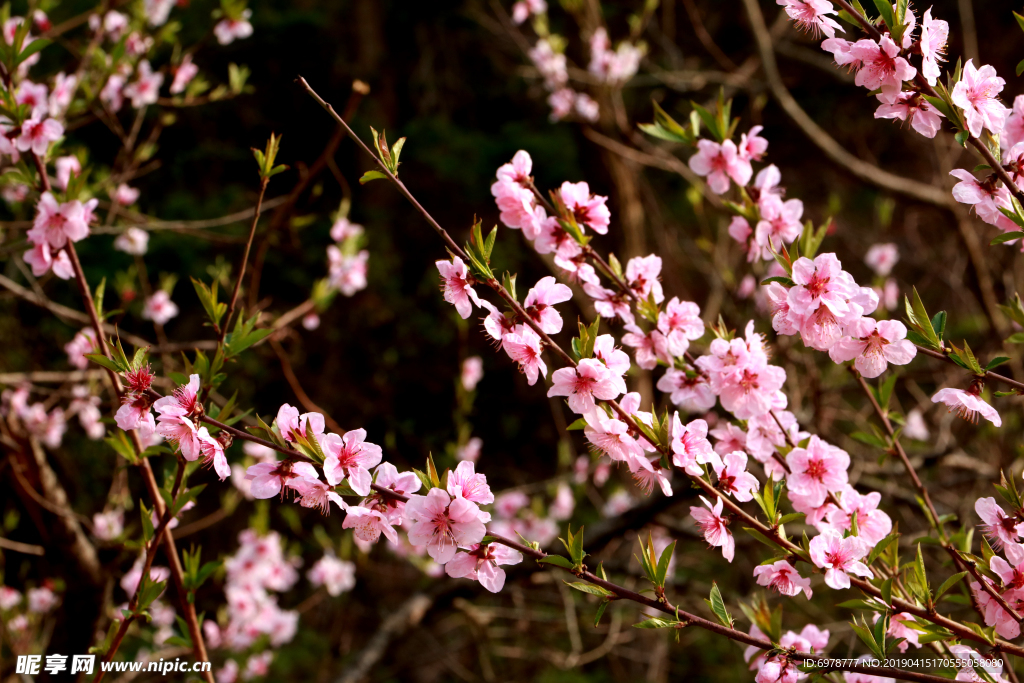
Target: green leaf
396,151
869,439
1020,65
867,637
585,587
921,319
996,362
32,48
371,175
663,562
987,634
792,517
885,9
939,324
435,480
576,547
579,424
885,391
100,359
208,298
557,560
780,279
1006,237
862,604
147,522
710,121
1020,20
919,572
488,246
666,128
886,589
119,442
600,612
881,546
238,344
761,537
949,583
962,137
717,606
656,622
1017,338
424,479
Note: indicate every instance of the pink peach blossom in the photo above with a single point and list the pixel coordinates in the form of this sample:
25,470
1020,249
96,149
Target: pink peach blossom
714,527
977,93
691,448
680,322
923,117
784,578
691,393
968,405
733,477
442,524
817,469
589,210
481,562
540,301
464,482
840,557
872,345
651,347
812,16
350,457
934,33
523,346
1000,528
55,223
588,381
720,163
457,289
882,67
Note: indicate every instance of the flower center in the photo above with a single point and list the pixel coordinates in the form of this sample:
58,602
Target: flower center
816,469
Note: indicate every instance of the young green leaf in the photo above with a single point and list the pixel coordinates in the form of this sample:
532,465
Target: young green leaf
717,605
556,560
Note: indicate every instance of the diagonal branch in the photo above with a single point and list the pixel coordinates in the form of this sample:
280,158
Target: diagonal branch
960,630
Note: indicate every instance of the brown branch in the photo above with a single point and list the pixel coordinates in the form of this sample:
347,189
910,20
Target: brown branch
988,375
177,572
24,548
151,546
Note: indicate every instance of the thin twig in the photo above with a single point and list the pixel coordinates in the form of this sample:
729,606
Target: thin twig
245,260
